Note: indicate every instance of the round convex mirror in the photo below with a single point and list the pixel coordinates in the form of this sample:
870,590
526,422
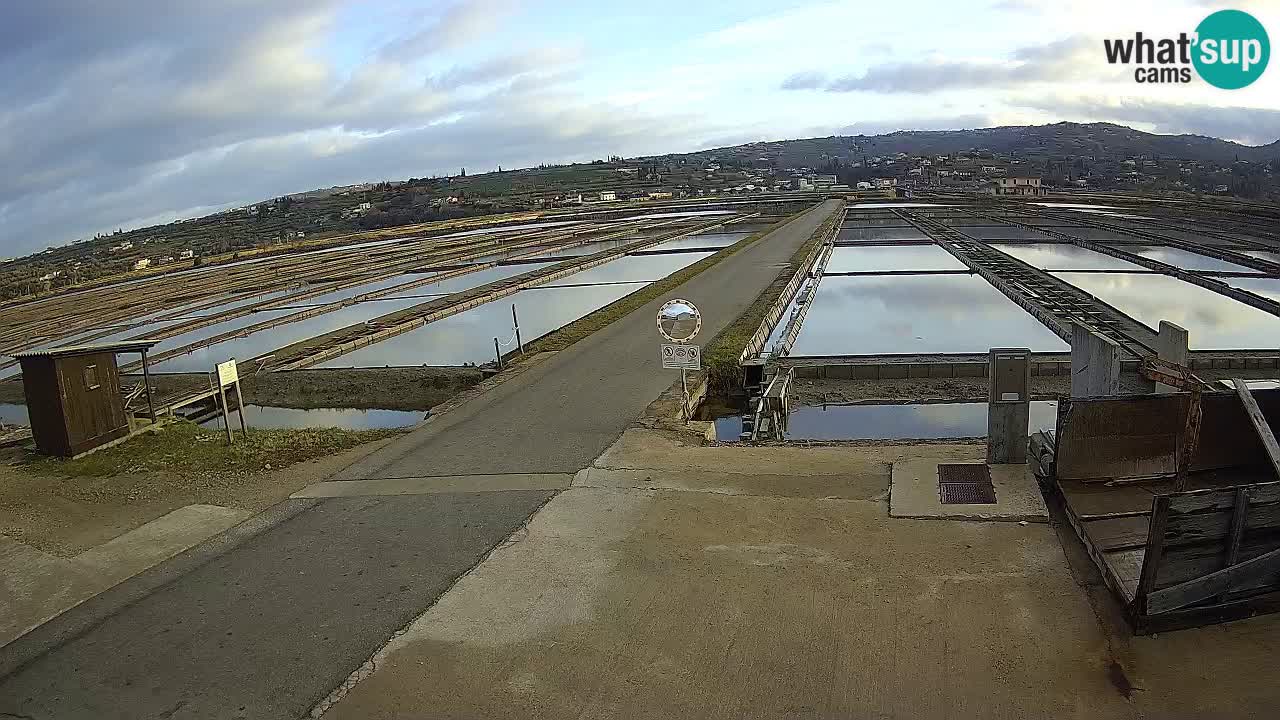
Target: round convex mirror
679,320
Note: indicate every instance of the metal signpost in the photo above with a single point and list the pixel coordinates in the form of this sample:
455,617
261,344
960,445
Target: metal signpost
679,321
229,375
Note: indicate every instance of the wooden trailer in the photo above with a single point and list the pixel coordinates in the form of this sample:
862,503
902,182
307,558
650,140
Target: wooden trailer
1175,557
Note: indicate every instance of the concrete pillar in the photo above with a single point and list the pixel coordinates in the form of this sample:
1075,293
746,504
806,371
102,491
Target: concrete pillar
1172,346
1095,364
1008,405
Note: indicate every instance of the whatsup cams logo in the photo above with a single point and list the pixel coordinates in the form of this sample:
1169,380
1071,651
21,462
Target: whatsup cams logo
1229,50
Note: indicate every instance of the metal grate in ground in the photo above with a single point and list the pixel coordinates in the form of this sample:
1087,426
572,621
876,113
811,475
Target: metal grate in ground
965,484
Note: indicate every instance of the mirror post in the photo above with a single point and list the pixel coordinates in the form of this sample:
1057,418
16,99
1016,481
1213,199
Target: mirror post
684,406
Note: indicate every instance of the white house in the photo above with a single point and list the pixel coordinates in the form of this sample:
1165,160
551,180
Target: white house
1016,185
186,254
142,264
608,196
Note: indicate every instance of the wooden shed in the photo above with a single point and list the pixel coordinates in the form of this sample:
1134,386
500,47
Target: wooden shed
73,395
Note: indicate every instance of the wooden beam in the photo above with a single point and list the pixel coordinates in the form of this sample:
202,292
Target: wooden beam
1239,513
1189,442
1235,535
1207,586
1155,549
1259,423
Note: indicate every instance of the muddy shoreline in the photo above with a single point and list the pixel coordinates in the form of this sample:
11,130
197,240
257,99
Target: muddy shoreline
421,388
416,388
807,391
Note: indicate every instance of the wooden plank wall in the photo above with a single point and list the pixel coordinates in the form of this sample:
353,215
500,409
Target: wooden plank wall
44,406
1205,532
94,415
1135,436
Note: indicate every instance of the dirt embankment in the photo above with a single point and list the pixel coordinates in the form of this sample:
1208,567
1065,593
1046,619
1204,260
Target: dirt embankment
418,388
815,392
11,391
387,388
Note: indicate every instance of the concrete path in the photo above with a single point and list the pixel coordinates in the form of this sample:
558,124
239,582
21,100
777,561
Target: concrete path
36,586
269,619
275,623
724,582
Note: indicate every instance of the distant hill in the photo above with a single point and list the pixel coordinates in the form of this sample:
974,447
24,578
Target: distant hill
1101,140
1060,153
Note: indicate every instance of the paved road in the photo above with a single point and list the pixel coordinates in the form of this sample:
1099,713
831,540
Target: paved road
266,625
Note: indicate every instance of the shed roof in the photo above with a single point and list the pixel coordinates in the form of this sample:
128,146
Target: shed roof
115,347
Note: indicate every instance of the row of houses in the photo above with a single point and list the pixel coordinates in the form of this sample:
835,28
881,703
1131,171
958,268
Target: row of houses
144,263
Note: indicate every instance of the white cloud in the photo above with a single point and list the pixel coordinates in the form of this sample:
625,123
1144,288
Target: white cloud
116,114
460,23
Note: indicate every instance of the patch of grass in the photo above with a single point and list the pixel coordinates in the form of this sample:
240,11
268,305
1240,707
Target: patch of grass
586,325
186,447
721,354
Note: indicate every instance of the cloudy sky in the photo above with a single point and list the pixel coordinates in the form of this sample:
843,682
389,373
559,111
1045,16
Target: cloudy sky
121,113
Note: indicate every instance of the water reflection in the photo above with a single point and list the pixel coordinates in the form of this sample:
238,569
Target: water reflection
348,293
1266,287
879,234
13,414
1215,322
468,337
264,341
720,239
247,299
259,416
635,268
1184,259
916,314
932,421
1004,233
1064,256
586,249
892,257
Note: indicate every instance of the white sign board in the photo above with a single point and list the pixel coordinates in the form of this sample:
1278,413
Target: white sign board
681,357
227,373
